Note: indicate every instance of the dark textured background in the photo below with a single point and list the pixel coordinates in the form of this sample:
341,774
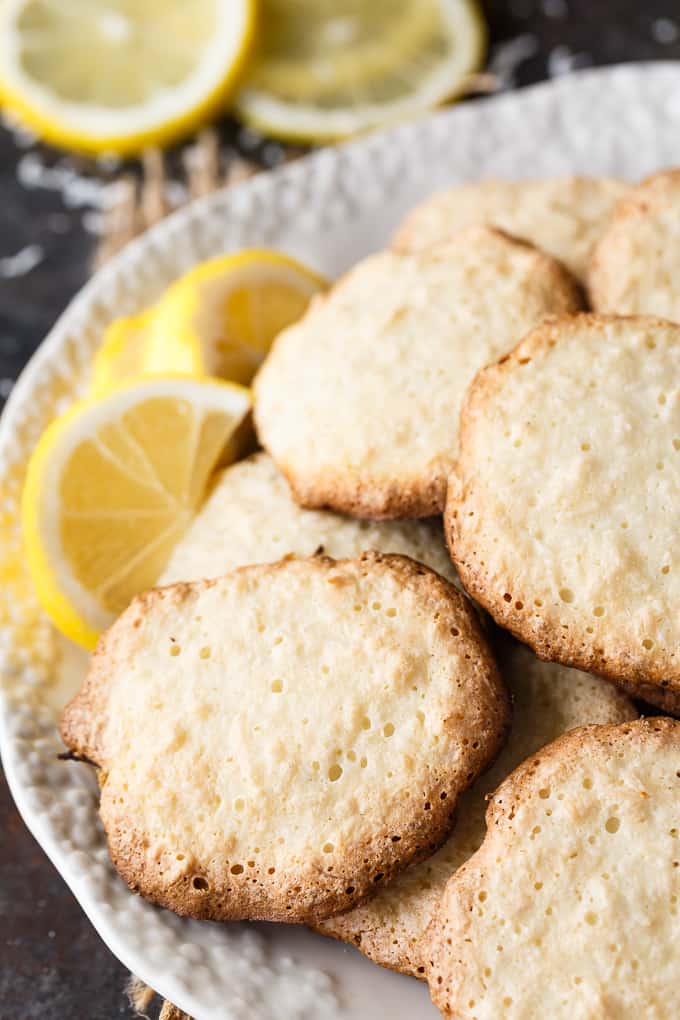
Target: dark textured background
52,964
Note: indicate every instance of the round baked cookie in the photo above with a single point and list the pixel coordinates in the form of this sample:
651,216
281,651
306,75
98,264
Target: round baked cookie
561,512
276,743
635,264
562,215
569,909
548,700
250,517
656,697
358,402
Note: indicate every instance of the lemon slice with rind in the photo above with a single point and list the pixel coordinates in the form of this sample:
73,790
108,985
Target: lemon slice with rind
221,317
122,355
328,69
116,75
111,487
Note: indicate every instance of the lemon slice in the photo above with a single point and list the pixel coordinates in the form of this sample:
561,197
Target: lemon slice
122,355
116,75
328,69
111,487
221,318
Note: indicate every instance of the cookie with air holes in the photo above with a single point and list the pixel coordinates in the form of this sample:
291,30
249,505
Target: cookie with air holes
564,216
276,743
654,696
358,402
561,511
570,907
251,517
635,263
548,700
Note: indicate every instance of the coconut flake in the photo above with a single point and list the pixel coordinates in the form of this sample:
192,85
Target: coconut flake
21,262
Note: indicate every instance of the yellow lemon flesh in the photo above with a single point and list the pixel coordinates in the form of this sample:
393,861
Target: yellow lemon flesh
111,487
122,355
116,75
328,69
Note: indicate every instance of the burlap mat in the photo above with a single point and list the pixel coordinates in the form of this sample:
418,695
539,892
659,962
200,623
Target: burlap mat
140,200
142,999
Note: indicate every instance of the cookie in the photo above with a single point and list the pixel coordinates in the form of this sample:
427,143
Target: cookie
564,215
358,402
561,514
657,697
276,743
547,700
569,909
635,264
250,517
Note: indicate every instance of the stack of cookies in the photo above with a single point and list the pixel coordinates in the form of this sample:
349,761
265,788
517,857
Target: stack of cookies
419,738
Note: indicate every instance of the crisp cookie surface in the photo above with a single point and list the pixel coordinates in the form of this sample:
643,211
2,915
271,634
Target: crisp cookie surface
274,743
548,700
635,264
250,517
358,402
561,513
564,215
570,908
660,697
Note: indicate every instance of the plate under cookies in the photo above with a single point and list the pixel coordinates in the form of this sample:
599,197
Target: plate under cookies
330,210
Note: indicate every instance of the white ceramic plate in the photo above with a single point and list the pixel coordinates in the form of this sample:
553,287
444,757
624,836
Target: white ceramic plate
329,209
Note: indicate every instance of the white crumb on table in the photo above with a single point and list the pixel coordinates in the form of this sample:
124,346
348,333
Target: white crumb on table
665,31
507,57
22,262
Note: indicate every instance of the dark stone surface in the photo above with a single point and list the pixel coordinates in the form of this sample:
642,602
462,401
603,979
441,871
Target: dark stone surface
53,966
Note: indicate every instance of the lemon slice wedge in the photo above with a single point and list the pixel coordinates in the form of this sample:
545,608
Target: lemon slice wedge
122,355
218,319
116,75
328,69
221,317
111,487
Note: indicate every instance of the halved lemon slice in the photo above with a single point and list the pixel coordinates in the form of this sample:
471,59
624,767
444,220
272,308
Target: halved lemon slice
116,75
220,318
122,355
111,487
328,69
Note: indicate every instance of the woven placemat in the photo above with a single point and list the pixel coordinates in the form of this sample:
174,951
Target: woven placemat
142,999
141,200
